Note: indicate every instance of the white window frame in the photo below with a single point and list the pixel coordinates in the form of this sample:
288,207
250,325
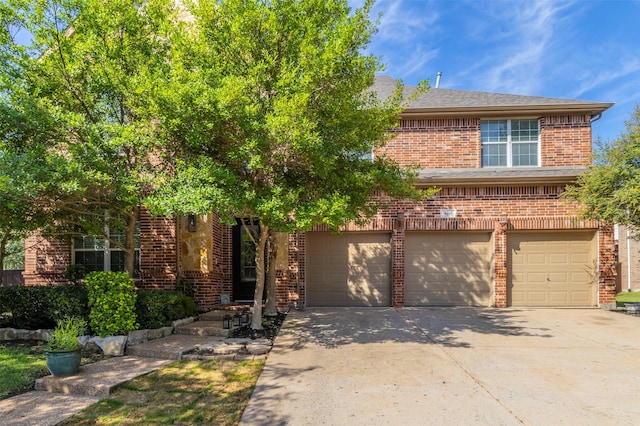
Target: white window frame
509,143
107,249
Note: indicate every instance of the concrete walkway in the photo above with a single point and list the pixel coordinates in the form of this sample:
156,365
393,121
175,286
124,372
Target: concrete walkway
453,366
58,398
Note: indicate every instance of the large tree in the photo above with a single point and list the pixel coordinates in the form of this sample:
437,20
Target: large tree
269,116
610,189
92,65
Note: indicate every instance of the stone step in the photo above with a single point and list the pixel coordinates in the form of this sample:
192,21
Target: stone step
171,347
218,315
203,328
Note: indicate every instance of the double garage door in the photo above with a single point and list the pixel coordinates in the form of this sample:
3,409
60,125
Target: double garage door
442,268
451,269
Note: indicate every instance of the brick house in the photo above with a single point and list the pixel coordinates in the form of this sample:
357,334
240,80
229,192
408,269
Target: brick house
497,234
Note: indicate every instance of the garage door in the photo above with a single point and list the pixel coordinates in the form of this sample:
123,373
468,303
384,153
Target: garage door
551,268
448,268
351,269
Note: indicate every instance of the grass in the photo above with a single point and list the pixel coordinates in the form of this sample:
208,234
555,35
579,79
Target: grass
186,392
20,365
627,297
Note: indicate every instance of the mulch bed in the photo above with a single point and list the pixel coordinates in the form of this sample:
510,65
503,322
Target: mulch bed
270,328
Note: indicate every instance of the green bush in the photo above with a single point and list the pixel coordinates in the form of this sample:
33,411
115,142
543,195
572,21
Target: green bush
157,308
112,302
41,306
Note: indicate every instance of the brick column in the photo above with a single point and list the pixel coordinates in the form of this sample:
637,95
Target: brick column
607,277
397,245
500,265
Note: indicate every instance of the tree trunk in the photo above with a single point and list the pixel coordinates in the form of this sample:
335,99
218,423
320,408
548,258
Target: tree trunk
3,252
130,241
272,249
256,321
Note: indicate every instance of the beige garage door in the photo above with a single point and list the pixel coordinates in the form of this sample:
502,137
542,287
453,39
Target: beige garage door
448,268
351,269
551,268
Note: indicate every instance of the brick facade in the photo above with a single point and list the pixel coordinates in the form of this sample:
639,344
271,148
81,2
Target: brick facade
495,206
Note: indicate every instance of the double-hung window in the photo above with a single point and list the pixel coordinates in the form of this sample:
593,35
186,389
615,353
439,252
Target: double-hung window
510,143
96,254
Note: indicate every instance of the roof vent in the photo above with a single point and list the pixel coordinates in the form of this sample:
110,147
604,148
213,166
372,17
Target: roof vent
438,79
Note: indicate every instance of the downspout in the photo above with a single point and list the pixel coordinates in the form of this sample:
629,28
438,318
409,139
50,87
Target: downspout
596,117
628,259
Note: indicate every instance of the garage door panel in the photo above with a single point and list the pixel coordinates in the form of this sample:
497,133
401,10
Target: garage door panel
359,265
447,268
564,278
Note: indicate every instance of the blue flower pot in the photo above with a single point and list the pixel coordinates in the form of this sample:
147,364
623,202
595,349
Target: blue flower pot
63,363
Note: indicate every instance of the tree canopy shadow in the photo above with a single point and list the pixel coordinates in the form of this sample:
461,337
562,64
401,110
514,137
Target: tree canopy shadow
451,326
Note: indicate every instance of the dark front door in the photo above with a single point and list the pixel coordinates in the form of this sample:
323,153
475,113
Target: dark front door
244,260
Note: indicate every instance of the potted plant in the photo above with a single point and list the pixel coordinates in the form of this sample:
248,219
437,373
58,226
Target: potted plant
63,351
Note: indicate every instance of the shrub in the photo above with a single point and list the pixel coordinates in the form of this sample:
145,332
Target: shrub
41,306
112,301
157,308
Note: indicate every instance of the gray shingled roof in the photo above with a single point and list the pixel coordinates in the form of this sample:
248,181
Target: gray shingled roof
493,175
442,99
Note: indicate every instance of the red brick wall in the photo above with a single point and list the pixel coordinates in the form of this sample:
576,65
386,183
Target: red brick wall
158,255
45,260
455,142
494,209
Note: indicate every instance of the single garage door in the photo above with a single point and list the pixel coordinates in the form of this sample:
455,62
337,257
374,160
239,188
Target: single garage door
551,268
448,268
351,269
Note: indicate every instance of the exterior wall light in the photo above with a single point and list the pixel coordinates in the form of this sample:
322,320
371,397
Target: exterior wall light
191,223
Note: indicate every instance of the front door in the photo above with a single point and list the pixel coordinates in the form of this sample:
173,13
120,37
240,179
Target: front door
244,260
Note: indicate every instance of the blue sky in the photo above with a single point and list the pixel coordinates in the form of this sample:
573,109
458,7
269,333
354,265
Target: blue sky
581,49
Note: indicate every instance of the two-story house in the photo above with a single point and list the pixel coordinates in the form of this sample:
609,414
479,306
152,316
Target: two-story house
498,233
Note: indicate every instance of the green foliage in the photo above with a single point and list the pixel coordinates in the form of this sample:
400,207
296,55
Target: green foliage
158,308
81,88
65,336
41,306
112,301
75,273
14,255
610,189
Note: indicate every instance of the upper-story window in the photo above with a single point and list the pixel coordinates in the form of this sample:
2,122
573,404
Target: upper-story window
510,143
96,254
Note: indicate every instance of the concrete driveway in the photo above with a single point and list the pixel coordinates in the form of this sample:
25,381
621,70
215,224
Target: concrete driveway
417,366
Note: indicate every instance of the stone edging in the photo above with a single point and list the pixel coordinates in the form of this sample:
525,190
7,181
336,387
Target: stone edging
133,337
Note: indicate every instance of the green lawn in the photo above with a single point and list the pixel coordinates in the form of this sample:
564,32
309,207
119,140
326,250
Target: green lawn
627,297
186,392
19,367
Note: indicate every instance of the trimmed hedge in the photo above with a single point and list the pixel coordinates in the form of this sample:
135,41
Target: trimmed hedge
158,308
40,307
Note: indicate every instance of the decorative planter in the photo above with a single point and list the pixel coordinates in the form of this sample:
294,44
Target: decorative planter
63,363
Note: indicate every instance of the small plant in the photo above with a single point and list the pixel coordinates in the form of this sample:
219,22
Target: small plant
65,336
